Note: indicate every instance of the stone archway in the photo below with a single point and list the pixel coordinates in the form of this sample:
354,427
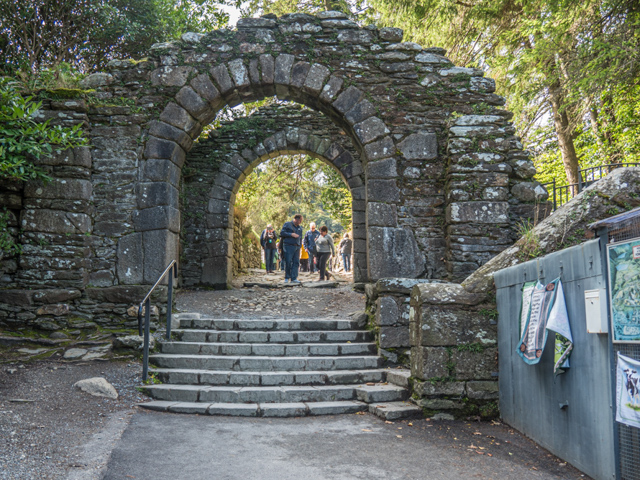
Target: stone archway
445,177
208,260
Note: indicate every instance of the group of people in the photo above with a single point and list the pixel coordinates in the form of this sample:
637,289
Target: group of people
313,249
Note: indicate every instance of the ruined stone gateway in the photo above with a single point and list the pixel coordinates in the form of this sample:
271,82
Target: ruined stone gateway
437,175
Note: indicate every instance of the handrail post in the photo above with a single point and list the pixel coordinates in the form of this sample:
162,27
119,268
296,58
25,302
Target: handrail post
579,180
170,302
145,355
555,205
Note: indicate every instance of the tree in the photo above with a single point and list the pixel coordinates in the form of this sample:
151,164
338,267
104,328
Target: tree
88,33
554,60
23,140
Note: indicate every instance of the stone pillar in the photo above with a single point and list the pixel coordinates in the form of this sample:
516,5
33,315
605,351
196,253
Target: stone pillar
453,337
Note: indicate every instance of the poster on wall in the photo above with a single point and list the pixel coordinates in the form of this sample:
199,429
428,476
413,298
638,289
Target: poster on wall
544,309
627,391
624,291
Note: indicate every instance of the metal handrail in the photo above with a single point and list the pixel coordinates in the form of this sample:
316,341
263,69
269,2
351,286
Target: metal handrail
563,193
172,270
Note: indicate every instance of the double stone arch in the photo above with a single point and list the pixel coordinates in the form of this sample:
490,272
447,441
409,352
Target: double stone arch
196,105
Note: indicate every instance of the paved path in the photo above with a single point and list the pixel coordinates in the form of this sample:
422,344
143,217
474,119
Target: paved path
170,446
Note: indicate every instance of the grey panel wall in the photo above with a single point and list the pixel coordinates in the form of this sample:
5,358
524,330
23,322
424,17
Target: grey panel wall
530,396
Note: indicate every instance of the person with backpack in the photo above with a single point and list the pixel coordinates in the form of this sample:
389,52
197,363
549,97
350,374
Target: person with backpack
310,246
269,241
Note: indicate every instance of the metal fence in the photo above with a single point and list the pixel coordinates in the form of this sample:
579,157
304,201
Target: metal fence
628,437
561,194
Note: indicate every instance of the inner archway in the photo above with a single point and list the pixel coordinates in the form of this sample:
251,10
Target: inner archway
218,165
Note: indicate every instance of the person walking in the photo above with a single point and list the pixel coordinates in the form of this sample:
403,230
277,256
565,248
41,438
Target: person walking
304,260
291,237
280,256
310,246
345,247
269,240
325,248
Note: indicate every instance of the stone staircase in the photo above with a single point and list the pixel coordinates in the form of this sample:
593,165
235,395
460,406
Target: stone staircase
275,368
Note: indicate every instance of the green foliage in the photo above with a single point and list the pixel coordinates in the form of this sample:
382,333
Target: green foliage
39,34
565,68
529,242
23,140
7,242
286,185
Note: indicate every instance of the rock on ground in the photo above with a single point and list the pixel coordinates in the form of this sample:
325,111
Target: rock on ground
98,387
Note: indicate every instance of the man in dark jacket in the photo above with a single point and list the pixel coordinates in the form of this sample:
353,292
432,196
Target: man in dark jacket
310,246
291,235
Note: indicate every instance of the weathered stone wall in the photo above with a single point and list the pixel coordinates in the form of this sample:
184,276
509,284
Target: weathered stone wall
246,247
437,175
454,354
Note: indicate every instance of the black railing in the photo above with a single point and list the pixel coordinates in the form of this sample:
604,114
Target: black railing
586,177
145,304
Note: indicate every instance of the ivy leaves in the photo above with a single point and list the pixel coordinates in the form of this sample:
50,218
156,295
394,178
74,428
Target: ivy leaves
23,140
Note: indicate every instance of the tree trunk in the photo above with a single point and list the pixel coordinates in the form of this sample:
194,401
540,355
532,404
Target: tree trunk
564,131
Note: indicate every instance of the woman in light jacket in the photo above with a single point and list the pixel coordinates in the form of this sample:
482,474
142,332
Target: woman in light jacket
324,249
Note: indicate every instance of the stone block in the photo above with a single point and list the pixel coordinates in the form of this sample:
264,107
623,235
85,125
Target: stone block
157,218
429,389
478,212
218,206
441,404
347,99
382,169
380,149
382,215
175,115
394,337
483,390
361,111
160,248
331,89
167,149
379,190
316,77
121,294
239,73
161,170
443,294
299,74
419,146
283,66
429,362
389,34
387,311
153,194
205,88
169,132
267,68
18,298
55,221
470,365
262,22
370,129
56,295
222,78
453,325
170,76
195,105
393,252
129,265
529,192
216,272
62,188
76,157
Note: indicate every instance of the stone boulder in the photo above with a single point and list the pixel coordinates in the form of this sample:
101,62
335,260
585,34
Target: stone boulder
135,342
98,387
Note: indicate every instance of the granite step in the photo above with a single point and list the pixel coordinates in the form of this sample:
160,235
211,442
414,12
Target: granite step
267,324
255,363
242,336
299,409
268,349
276,394
396,410
228,377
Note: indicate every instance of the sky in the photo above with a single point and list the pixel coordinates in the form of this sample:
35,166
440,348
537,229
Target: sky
233,12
